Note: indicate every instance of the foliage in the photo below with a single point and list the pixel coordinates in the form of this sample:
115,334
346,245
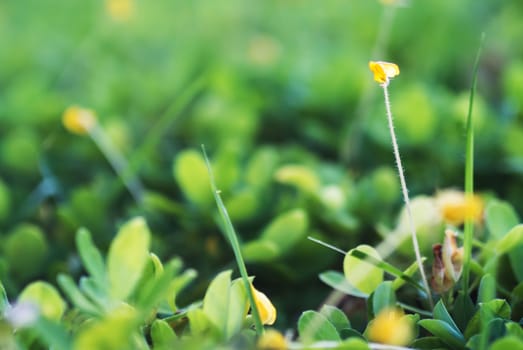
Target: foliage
280,94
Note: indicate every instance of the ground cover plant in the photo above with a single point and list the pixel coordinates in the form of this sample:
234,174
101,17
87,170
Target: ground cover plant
359,184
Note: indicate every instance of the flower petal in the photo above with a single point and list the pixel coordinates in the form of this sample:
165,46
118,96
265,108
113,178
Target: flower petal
265,308
79,120
383,71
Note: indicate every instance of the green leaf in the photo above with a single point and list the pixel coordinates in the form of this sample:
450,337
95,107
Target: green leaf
299,176
313,326
336,317
89,287
191,174
337,280
52,334
260,251
238,307
491,330
178,284
510,342
360,273
278,237
516,298
383,297
346,333
511,240
499,307
216,301
487,311
487,288
399,281
354,343
127,258
155,289
4,303
440,313
200,323
500,217
91,257
226,167
162,335
260,168
116,330
514,329
287,229
463,310
46,297
157,202
378,262
429,343
445,332
232,237
76,296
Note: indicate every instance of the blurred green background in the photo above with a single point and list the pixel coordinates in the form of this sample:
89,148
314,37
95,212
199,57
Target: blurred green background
279,92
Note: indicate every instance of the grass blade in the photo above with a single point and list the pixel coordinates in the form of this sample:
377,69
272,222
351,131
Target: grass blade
233,240
469,174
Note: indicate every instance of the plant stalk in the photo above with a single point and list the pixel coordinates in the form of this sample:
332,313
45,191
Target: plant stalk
405,191
469,175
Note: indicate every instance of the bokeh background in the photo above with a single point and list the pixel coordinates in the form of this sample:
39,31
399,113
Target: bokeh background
279,92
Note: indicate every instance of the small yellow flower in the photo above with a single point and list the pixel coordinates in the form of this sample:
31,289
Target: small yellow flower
383,71
272,340
391,327
448,263
456,207
265,308
79,120
120,10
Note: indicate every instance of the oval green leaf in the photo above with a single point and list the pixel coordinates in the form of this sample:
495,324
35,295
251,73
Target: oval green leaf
337,280
363,275
128,255
313,326
191,174
46,297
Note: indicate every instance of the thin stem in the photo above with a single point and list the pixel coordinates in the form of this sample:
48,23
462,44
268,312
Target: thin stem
117,161
469,175
405,193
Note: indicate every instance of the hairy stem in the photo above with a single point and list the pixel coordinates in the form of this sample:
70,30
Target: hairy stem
405,193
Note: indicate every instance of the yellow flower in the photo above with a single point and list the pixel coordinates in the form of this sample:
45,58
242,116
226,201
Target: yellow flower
272,340
265,308
383,71
79,120
448,263
120,10
456,207
391,327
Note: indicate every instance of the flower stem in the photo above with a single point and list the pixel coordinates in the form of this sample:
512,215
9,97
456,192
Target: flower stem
117,161
469,175
405,193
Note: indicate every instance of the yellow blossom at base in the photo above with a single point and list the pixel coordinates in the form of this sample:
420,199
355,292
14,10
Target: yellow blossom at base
79,120
456,207
265,308
272,340
390,327
383,71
